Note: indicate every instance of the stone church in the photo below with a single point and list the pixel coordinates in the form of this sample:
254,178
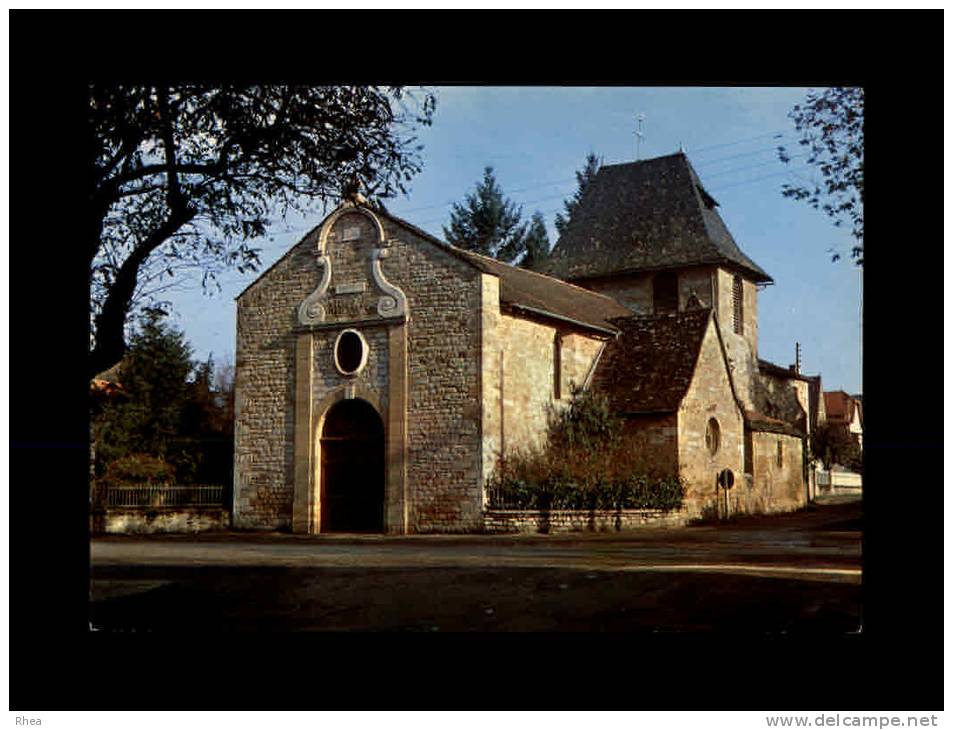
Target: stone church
381,373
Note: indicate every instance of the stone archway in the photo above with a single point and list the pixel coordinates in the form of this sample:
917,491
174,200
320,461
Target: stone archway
352,468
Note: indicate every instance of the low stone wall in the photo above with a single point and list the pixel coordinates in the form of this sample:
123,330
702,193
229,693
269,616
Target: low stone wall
502,521
836,483
117,520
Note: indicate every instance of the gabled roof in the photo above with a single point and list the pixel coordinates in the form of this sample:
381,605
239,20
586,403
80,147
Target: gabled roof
649,367
643,216
770,368
535,294
757,421
840,406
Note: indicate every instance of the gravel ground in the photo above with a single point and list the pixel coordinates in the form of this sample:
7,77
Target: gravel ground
767,575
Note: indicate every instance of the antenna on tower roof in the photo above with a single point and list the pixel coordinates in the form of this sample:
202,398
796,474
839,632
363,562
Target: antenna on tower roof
640,117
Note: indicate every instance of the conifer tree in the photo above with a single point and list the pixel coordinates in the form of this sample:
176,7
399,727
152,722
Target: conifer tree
537,243
583,178
488,223
155,377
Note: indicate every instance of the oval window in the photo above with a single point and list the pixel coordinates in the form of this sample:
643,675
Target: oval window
713,436
350,352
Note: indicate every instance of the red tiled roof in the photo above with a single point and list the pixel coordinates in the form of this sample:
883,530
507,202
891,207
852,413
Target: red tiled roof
839,406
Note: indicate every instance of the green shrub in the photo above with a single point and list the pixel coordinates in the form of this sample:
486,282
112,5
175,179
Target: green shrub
586,463
139,469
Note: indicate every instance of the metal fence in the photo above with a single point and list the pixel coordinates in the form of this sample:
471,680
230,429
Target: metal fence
149,496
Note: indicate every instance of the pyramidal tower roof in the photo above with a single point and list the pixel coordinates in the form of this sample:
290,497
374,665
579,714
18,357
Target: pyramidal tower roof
642,216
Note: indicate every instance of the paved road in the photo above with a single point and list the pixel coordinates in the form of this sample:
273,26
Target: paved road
790,571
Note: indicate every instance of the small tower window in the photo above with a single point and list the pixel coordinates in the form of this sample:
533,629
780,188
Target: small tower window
557,366
738,311
780,454
665,292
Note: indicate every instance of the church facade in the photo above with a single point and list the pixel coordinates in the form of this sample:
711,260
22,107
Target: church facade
381,373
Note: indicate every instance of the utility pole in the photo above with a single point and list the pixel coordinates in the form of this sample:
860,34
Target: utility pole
640,117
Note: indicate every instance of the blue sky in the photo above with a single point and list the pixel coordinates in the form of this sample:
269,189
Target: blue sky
535,138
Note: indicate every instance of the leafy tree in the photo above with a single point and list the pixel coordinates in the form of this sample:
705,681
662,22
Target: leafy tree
831,127
583,178
536,243
833,444
488,223
188,174
149,419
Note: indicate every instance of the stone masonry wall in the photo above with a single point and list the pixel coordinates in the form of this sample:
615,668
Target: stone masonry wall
709,396
742,349
350,254
444,471
698,281
635,291
654,438
579,353
141,521
783,398
528,354
530,521
444,474
264,388
775,489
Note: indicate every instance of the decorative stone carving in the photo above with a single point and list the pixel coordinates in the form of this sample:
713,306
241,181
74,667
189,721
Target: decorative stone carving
316,308
311,310
394,301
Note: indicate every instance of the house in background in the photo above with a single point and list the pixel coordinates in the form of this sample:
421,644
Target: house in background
846,411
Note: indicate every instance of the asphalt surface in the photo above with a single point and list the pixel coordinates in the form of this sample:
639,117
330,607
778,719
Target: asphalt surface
779,574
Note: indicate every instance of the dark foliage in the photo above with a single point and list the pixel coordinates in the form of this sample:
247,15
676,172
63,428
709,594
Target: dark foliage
583,178
831,443
587,462
188,175
138,469
536,243
831,128
171,414
488,223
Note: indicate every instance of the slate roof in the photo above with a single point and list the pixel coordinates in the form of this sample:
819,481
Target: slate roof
533,292
539,294
647,215
649,367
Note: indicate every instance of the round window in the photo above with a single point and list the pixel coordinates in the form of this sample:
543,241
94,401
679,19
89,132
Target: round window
713,436
350,352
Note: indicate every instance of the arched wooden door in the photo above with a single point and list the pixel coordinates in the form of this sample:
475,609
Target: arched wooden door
352,468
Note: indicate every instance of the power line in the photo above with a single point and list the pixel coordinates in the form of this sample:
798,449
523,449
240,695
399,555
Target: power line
751,167
776,135
742,154
763,177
